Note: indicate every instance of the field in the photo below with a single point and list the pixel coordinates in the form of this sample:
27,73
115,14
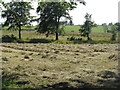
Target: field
59,66
68,28
97,34
76,29
47,64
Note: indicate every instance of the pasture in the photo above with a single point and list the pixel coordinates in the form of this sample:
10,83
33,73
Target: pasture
76,29
68,28
97,34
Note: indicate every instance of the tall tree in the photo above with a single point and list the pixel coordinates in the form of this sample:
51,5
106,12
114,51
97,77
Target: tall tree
85,29
50,15
17,15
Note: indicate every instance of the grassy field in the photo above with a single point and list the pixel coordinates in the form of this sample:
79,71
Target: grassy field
32,34
98,29
66,66
59,66
97,34
74,28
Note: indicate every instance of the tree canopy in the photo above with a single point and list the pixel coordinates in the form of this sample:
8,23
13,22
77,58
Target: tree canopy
85,29
17,14
50,15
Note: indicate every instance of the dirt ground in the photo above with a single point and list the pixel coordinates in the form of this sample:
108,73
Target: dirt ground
59,66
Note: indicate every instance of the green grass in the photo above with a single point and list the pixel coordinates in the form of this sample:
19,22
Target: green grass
24,27
12,85
74,28
98,29
9,84
26,35
97,34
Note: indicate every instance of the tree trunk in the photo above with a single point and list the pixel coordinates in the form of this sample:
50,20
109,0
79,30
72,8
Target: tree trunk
56,36
88,37
113,37
57,27
19,32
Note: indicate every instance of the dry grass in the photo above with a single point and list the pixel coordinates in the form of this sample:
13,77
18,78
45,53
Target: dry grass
59,65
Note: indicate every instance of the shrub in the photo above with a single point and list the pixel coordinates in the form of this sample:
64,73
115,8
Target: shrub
74,39
71,38
8,38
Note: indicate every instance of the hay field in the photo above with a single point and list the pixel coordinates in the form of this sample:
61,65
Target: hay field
59,66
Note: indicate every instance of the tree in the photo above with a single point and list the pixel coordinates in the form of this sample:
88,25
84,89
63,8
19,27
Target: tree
85,29
104,24
105,28
110,24
71,23
50,15
114,32
17,15
118,26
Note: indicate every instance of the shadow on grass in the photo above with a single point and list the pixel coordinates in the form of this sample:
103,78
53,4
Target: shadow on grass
106,85
40,41
102,84
27,41
95,42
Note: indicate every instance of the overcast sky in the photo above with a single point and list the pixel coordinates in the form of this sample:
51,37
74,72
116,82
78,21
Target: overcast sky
103,11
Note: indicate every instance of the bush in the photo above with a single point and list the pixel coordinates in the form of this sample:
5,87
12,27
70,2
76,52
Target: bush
74,39
8,38
71,38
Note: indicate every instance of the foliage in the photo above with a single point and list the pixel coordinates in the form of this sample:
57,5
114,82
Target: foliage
118,26
72,38
114,32
50,15
110,24
17,14
85,29
105,28
8,38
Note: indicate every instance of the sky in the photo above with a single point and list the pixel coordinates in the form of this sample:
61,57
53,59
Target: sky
103,11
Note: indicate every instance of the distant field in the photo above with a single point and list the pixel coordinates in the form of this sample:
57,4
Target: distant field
32,34
69,28
97,34
76,29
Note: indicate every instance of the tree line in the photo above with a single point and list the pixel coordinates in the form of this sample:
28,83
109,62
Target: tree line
17,14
